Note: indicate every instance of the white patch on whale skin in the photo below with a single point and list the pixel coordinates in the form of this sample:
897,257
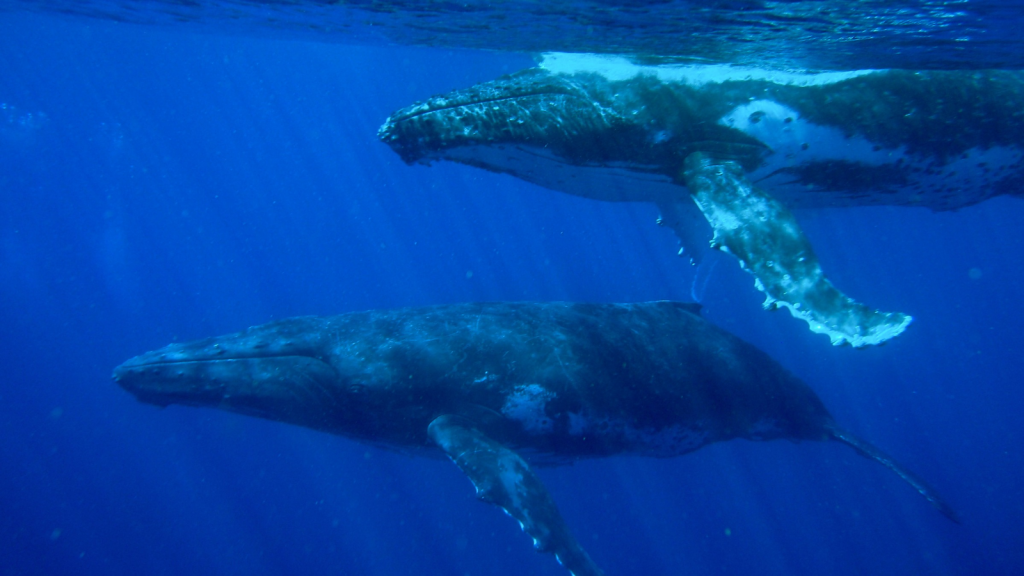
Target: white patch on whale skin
618,69
526,405
795,141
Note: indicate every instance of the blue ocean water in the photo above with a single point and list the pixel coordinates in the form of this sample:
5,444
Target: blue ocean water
163,183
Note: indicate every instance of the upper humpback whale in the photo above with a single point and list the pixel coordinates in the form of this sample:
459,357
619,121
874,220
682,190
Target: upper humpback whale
496,385
743,144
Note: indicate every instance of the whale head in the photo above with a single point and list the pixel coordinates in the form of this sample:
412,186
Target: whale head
279,371
580,133
530,109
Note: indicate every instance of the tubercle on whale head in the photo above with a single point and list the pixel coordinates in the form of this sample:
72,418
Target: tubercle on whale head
525,83
279,371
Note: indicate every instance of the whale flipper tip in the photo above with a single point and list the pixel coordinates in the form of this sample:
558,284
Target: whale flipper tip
501,477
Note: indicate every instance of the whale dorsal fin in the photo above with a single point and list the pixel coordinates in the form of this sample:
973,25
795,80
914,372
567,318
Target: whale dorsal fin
503,478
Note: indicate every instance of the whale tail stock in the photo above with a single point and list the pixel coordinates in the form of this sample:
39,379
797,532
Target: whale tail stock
866,449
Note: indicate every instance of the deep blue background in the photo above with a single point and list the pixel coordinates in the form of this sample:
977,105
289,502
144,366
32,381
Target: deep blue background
159,185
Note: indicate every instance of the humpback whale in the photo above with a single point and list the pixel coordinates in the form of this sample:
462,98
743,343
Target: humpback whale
738,148
496,386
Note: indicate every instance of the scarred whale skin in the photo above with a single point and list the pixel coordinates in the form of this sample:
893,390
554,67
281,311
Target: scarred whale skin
497,385
601,127
744,146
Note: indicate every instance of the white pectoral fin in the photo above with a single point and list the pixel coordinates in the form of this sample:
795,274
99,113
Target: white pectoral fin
765,237
503,478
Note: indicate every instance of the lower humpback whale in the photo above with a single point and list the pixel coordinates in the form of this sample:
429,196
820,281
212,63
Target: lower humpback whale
496,385
739,147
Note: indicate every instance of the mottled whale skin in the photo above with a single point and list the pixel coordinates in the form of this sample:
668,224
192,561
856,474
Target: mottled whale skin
744,146
495,386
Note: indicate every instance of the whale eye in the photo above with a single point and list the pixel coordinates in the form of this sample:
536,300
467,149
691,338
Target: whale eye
756,117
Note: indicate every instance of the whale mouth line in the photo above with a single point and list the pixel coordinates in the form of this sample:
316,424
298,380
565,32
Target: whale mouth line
127,366
233,357
222,381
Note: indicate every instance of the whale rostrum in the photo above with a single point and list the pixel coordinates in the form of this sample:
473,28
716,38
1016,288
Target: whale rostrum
498,386
740,147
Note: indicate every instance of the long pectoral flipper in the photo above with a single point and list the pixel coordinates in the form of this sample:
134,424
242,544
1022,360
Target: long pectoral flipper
867,450
764,235
503,478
